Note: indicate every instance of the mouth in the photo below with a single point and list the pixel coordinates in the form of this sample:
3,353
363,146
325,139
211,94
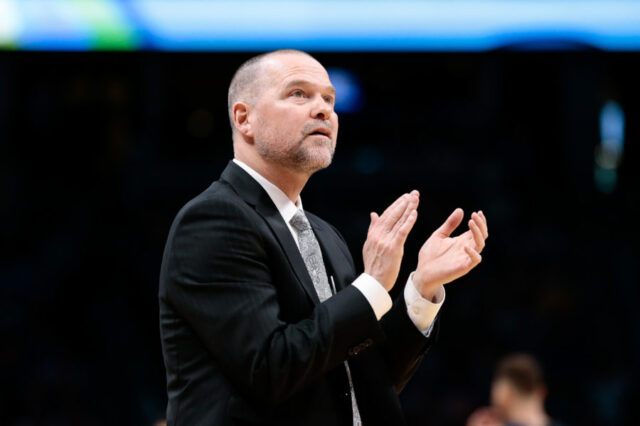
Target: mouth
321,131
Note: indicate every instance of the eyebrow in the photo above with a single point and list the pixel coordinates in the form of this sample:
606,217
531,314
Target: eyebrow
308,83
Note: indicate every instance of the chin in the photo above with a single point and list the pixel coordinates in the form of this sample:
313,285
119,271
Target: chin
313,166
314,160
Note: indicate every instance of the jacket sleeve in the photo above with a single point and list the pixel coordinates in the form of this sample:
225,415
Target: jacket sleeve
404,346
220,282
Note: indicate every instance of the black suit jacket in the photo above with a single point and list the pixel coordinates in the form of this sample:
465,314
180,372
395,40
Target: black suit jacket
244,337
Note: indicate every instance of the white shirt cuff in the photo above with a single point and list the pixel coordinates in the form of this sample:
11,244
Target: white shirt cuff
422,311
375,294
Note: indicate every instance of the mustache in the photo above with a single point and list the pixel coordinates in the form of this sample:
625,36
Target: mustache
309,127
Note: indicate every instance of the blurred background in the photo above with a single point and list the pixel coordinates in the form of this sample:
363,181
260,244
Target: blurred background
113,115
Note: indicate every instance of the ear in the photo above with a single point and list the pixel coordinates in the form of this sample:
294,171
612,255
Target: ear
241,120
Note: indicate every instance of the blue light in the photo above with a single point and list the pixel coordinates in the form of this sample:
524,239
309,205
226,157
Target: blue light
349,96
386,25
612,126
53,25
611,148
333,25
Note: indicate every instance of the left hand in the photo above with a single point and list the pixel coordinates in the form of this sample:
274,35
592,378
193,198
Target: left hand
443,259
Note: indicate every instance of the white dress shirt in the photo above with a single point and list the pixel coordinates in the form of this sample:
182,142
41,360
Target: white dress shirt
421,311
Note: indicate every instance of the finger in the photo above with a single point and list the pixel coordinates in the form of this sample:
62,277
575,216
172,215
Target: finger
452,222
374,218
482,225
390,219
406,227
393,205
394,219
411,207
473,255
477,236
485,231
393,213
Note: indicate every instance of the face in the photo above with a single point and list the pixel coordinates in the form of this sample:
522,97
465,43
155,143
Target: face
501,394
293,120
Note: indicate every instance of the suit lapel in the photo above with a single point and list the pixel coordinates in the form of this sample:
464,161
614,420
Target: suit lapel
280,229
251,191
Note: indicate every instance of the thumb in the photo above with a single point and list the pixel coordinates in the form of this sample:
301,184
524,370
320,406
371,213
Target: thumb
374,217
452,222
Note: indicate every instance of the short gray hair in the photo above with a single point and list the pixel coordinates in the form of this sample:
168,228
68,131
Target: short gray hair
245,82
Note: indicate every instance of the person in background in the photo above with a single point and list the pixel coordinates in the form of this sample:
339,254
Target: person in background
518,392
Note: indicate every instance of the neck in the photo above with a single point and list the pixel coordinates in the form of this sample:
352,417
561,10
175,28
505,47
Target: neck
291,182
528,412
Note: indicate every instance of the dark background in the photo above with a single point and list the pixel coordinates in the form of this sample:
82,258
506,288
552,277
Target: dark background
98,151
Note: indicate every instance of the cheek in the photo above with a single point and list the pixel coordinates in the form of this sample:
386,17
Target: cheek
336,126
271,124
499,395
285,121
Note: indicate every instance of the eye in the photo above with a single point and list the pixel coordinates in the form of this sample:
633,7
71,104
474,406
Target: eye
329,99
297,93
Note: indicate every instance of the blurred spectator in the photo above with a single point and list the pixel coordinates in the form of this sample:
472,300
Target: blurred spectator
518,393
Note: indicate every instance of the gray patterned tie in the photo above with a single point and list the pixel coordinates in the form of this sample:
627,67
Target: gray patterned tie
312,256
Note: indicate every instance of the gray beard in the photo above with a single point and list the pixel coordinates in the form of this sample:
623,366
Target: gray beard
299,158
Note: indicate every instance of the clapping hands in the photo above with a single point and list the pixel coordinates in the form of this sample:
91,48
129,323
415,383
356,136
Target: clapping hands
443,258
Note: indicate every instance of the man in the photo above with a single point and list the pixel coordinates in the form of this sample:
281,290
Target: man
518,392
263,317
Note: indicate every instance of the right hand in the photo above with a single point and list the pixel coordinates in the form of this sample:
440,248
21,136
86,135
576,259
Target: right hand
382,252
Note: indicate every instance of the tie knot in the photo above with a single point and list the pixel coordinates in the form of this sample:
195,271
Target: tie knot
300,222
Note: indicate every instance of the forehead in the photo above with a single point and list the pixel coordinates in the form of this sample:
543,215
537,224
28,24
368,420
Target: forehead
286,68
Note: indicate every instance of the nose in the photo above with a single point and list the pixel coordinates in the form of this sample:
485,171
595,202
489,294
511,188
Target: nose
321,109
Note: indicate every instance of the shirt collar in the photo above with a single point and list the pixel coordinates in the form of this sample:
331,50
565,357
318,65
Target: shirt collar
285,206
